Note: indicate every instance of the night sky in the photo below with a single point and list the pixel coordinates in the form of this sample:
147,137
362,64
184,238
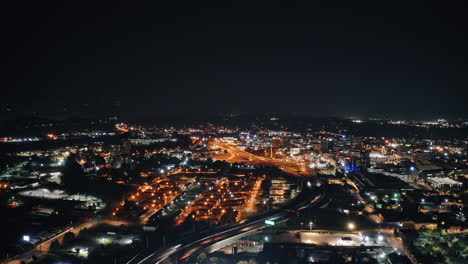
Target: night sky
348,58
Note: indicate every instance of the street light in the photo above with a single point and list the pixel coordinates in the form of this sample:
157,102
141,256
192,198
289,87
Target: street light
310,225
351,226
380,238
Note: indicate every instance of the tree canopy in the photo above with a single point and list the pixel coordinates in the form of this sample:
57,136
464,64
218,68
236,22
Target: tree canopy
73,176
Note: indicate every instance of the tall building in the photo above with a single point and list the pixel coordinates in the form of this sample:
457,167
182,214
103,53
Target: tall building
327,146
356,143
277,142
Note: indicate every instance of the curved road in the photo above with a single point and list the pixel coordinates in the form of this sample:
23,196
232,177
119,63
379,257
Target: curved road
313,194
292,168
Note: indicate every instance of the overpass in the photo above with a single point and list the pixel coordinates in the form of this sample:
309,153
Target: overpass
313,193
238,155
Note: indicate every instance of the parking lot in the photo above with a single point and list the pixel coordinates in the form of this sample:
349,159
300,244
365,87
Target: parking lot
327,238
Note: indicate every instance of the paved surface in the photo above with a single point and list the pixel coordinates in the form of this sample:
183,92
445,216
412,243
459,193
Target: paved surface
227,235
43,248
243,248
237,155
330,238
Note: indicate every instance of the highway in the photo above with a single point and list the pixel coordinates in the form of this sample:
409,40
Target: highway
237,155
313,194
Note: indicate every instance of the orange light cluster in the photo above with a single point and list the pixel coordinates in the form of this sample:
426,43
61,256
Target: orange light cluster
52,136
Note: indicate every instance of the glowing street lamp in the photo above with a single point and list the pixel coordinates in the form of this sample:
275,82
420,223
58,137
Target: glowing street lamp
351,226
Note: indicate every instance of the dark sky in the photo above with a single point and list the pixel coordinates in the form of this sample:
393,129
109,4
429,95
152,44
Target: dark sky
404,59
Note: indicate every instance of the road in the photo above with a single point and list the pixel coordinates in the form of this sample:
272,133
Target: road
237,155
42,248
250,206
329,238
181,251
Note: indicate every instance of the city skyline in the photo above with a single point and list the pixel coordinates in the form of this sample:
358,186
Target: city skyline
189,132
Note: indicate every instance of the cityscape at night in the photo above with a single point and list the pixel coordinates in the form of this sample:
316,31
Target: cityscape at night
234,133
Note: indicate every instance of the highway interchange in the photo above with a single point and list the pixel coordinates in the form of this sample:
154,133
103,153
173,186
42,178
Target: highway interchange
313,194
237,155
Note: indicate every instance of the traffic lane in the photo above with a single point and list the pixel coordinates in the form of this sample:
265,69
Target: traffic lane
286,166
171,256
213,244
223,242
302,199
223,239
200,244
